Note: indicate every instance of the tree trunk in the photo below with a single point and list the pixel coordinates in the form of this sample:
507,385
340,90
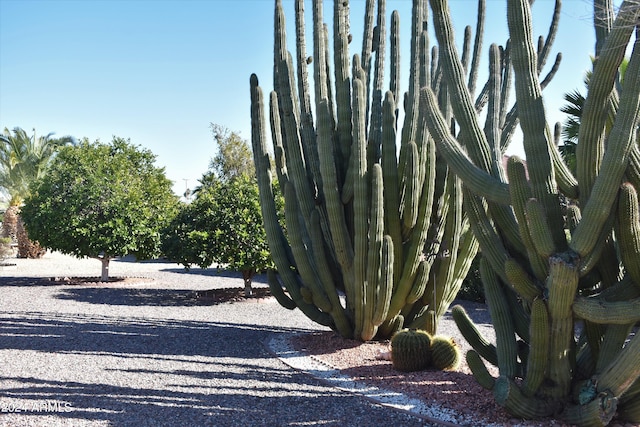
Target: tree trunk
10,223
105,269
27,248
247,276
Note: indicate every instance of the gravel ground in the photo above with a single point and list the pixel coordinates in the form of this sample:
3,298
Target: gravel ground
150,353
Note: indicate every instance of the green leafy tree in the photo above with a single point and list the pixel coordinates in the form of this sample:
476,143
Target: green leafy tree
222,225
101,201
234,157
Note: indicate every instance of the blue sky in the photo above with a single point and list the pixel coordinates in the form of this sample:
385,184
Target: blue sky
159,71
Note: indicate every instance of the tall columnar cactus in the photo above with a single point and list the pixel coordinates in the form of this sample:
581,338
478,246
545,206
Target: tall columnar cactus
561,282
374,241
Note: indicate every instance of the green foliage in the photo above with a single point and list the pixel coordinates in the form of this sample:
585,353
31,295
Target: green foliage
24,159
234,156
472,288
222,225
102,201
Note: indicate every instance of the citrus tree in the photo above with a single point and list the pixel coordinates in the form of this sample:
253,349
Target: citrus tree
101,201
223,224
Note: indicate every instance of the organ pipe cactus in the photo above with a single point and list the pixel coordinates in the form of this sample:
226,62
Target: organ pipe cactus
561,282
374,241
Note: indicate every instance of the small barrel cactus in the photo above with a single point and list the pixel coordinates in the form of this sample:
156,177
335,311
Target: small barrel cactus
445,353
411,350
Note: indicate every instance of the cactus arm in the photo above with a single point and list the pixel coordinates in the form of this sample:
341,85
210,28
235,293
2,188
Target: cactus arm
416,243
296,164
335,209
539,331
628,230
623,371
466,49
505,89
275,236
490,243
477,47
394,80
276,290
551,74
607,312
374,261
301,59
595,110
307,130
613,341
367,40
629,407
562,284
391,183
412,190
410,126
479,370
473,336
461,102
520,194
375,125
501,318
633,170
492,123
342,87
278,146
477,180
551,35
566,181
444,278
508,394
536,136
385,287
520,280
360,204
541,235
598,412
419,283
303,257
342,324
614,163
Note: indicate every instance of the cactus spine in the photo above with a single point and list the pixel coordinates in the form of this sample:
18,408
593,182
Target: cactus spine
388,232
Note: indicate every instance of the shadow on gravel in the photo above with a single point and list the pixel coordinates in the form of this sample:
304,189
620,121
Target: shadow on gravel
158,297
26,281
216,406
215,272
157,372
80,333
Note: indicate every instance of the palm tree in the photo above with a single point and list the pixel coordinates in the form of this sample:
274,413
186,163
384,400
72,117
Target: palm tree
23,159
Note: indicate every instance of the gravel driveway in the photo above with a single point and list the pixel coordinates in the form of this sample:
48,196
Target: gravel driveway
151,354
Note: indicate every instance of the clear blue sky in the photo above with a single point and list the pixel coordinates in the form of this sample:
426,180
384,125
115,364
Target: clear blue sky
158,72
